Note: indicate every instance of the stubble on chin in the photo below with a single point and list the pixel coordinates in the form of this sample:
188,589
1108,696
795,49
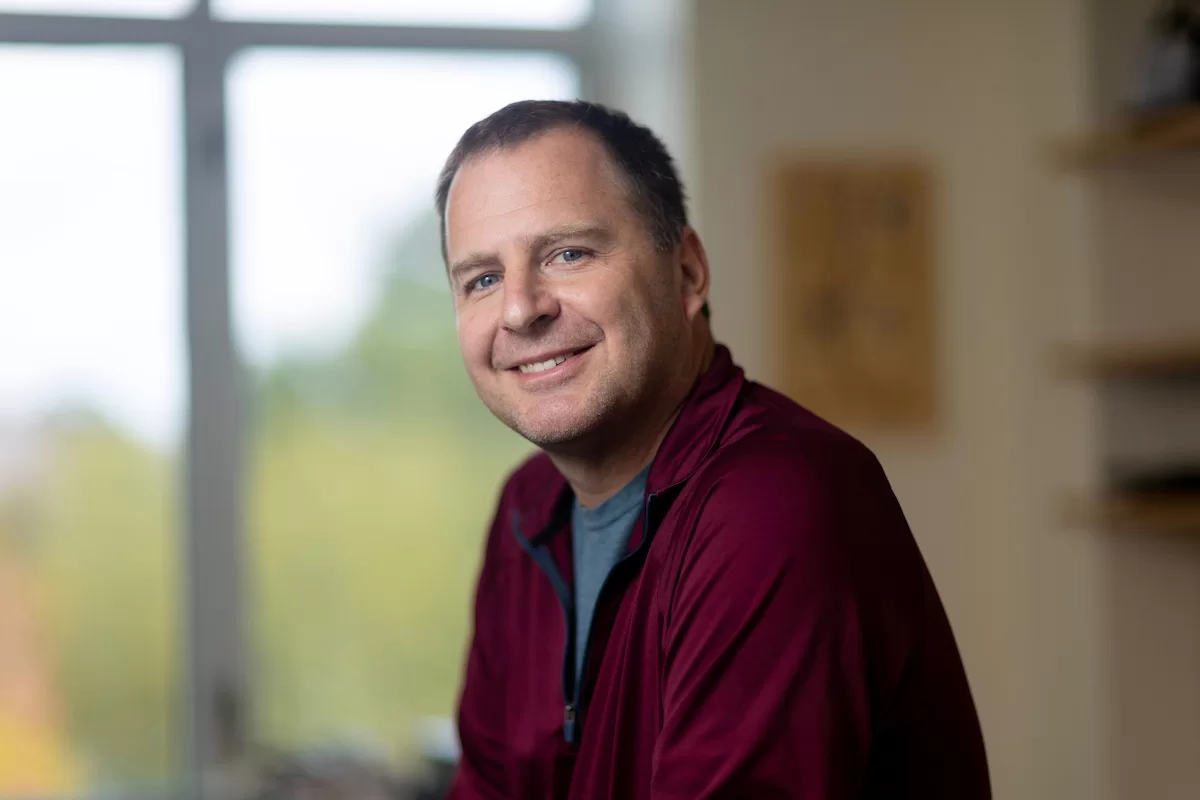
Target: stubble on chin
563,426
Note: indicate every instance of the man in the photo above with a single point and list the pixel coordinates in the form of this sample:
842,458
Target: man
697,589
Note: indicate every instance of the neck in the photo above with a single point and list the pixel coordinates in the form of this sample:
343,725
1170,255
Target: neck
597,475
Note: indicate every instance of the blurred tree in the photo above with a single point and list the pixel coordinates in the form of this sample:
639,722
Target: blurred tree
101,542
371,472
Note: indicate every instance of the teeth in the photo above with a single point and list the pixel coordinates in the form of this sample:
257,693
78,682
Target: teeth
542,365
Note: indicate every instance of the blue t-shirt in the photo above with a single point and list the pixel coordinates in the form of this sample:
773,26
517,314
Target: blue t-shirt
599,538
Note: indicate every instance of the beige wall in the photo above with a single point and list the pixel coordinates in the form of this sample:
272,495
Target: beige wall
976,88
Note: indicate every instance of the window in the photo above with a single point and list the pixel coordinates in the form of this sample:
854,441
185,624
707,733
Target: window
91,408
373,467
261,536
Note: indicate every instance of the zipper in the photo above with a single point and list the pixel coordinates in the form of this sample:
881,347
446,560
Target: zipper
566,602
574,719
569,719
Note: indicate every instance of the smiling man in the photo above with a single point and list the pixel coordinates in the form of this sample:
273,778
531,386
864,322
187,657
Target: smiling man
697,589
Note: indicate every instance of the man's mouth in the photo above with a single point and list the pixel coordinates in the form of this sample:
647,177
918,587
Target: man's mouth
548,363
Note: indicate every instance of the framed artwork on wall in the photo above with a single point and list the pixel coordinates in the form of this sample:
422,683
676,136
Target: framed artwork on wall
851,289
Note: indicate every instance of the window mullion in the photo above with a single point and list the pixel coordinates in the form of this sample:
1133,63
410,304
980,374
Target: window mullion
216,685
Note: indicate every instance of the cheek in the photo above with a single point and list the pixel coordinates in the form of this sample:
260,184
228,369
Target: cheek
474,340
606,299
639,311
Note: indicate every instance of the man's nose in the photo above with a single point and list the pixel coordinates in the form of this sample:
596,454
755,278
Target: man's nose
528,302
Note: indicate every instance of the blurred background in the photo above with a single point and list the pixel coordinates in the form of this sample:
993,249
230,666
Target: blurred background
244,480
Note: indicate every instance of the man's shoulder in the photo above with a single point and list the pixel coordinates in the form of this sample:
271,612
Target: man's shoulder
785,487
784,482
774,442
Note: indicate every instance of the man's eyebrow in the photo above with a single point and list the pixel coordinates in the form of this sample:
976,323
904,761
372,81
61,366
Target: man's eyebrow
596,233
535,244
473,262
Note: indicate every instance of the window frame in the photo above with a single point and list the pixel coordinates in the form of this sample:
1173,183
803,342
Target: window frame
215,682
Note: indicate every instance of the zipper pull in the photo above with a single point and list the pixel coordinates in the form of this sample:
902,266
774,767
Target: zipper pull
569,723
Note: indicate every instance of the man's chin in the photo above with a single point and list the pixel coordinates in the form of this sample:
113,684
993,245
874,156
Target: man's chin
562,433
559,424
552,438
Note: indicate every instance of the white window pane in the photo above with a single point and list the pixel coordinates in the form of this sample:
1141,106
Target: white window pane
467,13
115,8
91,401
373,466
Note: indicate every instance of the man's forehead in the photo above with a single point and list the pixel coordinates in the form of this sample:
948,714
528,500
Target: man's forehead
544,182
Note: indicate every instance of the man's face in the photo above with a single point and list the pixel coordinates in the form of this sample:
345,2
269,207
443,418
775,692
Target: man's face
569,319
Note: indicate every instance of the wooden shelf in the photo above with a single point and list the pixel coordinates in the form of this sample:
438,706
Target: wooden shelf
1135,513
1160,134
1175,359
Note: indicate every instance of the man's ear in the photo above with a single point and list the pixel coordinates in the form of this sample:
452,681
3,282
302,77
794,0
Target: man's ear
693,268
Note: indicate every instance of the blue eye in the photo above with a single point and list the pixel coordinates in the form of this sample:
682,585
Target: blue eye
572,254
484,281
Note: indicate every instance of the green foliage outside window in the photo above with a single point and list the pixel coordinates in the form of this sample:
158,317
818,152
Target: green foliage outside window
371,472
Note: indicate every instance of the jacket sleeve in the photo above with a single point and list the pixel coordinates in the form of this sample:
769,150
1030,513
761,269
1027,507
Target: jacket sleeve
481,767
769,669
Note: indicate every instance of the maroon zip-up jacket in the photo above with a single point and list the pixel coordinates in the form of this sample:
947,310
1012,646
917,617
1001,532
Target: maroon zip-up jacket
771,632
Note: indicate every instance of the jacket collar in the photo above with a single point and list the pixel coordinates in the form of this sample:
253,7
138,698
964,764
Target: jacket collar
544,503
